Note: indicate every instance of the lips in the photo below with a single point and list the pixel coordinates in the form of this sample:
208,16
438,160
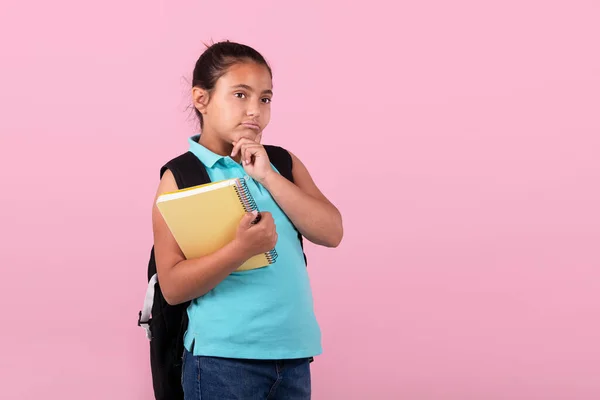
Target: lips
251,125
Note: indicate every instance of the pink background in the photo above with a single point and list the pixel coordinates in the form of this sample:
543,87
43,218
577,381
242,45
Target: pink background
465,137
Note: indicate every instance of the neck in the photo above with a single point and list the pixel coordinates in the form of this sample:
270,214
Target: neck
215,144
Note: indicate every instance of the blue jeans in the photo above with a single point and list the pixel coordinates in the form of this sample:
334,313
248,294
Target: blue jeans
214,378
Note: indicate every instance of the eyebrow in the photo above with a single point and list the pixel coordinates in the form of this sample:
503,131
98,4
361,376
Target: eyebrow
243,86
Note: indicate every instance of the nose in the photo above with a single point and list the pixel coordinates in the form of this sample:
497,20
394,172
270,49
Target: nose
253,109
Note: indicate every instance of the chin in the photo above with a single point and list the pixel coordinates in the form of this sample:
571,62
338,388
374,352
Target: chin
248,134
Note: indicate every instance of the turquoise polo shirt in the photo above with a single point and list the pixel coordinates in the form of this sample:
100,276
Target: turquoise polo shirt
265,313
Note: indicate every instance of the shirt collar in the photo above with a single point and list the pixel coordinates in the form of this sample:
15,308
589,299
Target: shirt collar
207,157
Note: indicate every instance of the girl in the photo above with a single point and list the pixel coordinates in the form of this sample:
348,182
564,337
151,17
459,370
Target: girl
251,334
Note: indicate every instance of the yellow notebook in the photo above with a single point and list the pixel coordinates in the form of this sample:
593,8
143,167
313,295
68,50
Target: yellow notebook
205,218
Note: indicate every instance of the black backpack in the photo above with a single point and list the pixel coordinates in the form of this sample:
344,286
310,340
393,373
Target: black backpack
166,327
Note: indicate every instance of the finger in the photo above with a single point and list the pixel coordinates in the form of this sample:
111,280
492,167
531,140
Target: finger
264,220
236,148
258,137
267,216
247,155
237,145
248,218
250,150
257,218
243,155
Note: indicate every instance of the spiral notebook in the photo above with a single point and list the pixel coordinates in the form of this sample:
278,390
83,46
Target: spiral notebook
205,218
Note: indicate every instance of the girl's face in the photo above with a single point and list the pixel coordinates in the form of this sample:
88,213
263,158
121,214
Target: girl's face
240,104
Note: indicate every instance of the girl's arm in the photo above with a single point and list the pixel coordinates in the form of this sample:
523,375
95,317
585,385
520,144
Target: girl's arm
312,213
317,219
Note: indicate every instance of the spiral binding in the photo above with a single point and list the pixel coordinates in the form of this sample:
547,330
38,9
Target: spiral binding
249,204
244,195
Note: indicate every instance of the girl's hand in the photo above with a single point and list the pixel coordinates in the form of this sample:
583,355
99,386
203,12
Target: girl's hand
254,157
256,238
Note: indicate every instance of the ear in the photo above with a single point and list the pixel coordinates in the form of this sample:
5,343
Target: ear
200,99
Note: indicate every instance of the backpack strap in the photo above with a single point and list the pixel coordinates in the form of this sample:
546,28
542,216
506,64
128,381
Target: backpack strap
187,169
144,316
282,160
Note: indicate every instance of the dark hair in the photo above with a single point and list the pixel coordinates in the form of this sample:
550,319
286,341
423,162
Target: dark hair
216,59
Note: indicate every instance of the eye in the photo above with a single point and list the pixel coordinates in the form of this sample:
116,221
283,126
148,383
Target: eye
266,100
240,95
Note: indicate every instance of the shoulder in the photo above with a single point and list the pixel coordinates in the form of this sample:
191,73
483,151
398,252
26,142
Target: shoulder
298,168
166,184
303,179
169,170
282,154
179,162
187,170
284,158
